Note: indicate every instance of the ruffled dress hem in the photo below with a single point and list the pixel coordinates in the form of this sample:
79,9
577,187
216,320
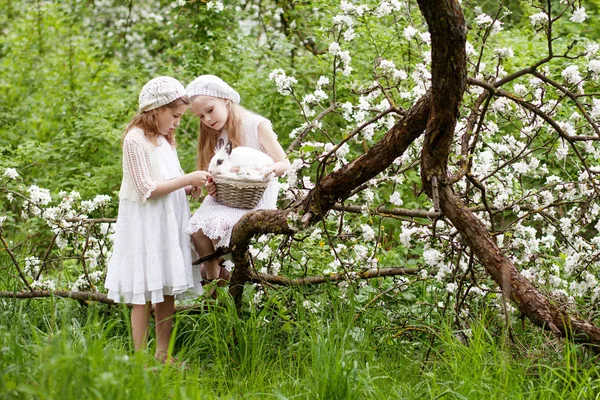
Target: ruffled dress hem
155,296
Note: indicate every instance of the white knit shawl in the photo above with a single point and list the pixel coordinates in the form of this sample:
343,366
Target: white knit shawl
140,167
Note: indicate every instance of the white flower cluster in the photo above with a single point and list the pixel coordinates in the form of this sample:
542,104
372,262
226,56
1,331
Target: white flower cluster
284,83
344,56
217,6
82,283
312,306
11,173
594,68
410,32
571,74
484,21
539,18
316,97
388,7
345,21
32,267
579,15
352,9
504,52
389,69
396,199
44,284
71,233
595,113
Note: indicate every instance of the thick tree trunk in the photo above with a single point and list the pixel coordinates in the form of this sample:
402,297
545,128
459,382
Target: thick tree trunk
527,298
448,70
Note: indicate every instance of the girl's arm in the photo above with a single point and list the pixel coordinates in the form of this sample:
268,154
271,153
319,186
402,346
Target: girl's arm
137,167
196,178
268,139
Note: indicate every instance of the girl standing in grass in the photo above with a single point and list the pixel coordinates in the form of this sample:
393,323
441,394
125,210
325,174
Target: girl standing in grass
222,118
152,257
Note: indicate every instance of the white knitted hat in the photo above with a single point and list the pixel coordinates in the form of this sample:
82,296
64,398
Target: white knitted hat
159,92
210,85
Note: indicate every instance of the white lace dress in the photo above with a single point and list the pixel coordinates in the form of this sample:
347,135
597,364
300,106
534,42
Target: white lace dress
216,220
152,255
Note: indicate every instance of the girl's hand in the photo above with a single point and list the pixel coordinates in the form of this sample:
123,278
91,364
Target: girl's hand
211,187
196,192
198,178
270,170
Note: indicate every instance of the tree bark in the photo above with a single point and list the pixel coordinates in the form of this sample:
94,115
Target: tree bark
527,298
448,70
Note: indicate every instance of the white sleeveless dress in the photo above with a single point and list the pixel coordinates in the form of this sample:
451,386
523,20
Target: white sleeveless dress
152,255
215,219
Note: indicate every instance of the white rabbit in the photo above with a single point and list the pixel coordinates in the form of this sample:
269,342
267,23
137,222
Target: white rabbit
228,161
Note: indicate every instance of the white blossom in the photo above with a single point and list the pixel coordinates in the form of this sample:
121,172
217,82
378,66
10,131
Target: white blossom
571,74
579,15
410,32
44,285
538,19
228,264
451,287
594,67
520,89
384,8
504,52
323,80
334,48
361,251
216,5
483,19
562,151
39,195
32,266
432,257
591,49
368,232
595,113
284,83
11,173
396,199
343,19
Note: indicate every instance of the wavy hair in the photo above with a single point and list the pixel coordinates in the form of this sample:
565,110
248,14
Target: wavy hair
207,138
148,121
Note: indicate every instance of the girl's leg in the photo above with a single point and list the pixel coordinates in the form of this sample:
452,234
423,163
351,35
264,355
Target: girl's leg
140,317
204,245
163,313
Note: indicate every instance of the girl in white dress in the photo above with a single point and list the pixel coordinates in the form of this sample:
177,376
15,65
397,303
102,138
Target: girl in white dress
152,255
217,105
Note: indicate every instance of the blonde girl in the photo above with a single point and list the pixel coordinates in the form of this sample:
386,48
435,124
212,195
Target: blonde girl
223,119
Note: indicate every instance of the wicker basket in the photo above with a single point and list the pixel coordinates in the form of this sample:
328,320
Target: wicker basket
239,192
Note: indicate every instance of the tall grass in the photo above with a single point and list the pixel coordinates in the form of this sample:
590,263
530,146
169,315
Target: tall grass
60,349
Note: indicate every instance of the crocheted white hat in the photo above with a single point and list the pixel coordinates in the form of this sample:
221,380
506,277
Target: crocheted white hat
159,92
211,85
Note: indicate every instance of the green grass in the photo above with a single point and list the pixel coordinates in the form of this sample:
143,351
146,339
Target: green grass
60,349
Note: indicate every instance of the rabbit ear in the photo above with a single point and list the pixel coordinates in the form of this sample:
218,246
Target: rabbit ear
228,148
220,144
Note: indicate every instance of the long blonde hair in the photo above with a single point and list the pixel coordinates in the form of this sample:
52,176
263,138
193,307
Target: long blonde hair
207,138
148,121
